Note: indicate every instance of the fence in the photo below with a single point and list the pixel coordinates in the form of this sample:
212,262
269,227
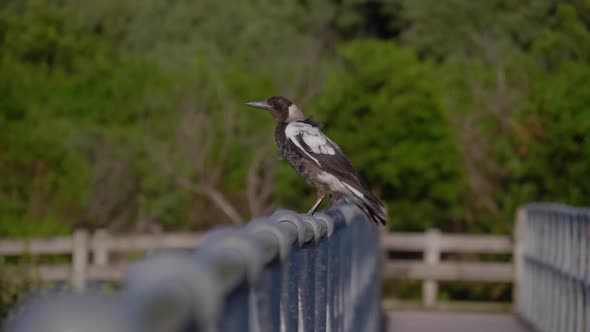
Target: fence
289,272
432,268
554,267
91,254
92,259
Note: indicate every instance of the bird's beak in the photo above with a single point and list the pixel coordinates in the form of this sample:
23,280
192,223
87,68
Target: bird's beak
260,104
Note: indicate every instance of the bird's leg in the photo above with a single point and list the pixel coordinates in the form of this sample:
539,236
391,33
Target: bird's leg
317,204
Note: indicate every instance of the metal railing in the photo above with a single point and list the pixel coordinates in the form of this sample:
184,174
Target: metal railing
288,272
554,270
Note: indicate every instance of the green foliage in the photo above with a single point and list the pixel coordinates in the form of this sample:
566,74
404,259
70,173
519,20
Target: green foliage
553,146
48,226
567,37
46,34
105,106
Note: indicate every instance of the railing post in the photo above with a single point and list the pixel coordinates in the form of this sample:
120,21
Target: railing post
99,248
79,259
431,257
518,256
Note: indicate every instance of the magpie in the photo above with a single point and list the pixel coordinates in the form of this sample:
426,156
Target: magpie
318,159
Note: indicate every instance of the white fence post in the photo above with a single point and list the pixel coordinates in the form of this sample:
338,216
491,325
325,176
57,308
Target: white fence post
79,259
100,250
431,257
518,256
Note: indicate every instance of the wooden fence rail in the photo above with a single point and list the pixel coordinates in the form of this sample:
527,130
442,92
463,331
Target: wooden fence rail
431,268
91,256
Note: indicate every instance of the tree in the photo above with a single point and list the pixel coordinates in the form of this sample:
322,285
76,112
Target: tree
552,146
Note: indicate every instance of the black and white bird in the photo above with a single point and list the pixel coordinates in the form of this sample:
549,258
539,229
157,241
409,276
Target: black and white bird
318,159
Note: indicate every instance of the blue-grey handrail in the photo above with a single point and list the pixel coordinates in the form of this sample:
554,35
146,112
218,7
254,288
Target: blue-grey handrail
554,292
287,272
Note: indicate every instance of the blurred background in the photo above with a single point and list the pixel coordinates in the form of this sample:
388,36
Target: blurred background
129,115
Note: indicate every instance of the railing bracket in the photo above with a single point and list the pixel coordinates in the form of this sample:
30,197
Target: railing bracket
265,225
294,219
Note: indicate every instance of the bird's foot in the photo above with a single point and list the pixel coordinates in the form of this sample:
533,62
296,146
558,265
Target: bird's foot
311,211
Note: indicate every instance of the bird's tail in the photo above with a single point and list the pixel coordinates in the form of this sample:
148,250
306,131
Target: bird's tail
369,204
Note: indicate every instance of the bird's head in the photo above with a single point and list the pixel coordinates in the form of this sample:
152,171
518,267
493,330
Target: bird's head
280,107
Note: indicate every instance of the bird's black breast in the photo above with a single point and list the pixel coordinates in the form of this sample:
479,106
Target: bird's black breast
280,136
291,153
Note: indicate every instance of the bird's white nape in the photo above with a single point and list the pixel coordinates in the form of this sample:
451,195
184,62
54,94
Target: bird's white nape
295,113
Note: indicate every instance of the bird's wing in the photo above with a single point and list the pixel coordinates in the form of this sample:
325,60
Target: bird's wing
317,147
312,144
